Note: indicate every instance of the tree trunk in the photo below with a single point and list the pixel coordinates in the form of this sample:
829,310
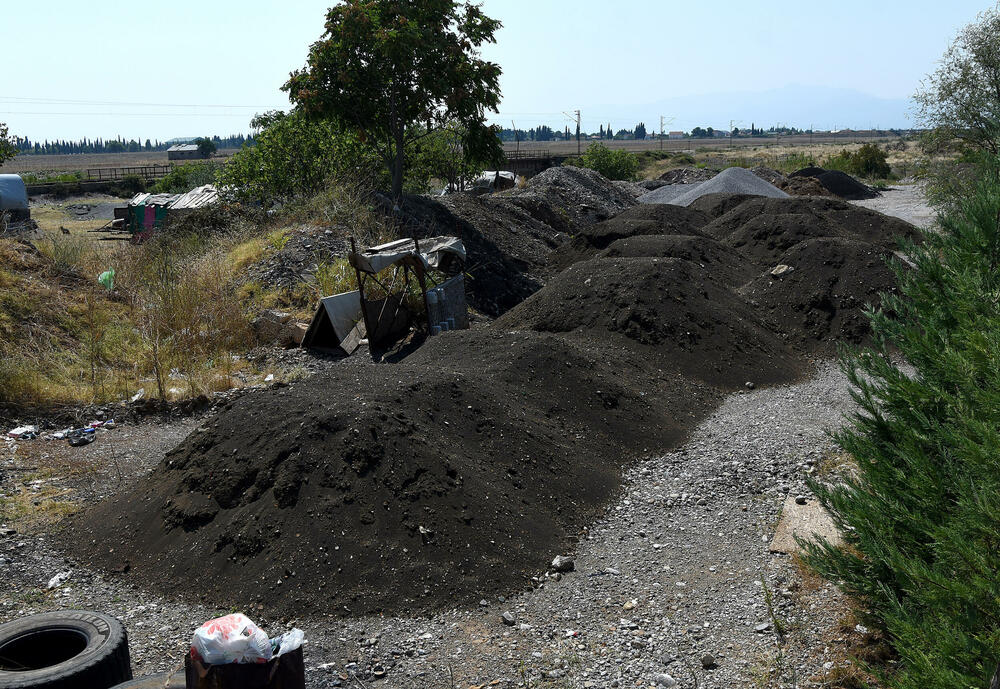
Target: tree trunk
397,171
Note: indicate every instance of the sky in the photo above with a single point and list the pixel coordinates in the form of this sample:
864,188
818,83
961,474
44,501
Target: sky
189,68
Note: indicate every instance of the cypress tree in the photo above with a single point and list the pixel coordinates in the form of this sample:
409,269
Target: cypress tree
921,515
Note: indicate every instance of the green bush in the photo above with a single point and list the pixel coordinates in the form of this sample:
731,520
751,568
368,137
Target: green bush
920,515
184,178
867,161
612,163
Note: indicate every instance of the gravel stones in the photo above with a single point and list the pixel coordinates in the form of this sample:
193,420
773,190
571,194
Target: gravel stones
734,180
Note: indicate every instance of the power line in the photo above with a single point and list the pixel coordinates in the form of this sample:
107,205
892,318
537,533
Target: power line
69,101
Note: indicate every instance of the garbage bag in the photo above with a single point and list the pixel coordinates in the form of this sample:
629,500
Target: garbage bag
107,278
230,639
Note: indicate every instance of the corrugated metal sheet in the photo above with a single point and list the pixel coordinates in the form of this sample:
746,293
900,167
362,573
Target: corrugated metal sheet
199,197
153,199
182,147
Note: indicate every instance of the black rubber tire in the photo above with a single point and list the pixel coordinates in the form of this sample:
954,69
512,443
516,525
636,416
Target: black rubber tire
164,680
68,649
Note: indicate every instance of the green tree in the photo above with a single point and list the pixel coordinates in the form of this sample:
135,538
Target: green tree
394,71
919,515
295,156
612,163
640,131
962,97
206,147
7,148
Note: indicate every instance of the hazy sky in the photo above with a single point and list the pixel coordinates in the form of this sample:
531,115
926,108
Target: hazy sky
185,68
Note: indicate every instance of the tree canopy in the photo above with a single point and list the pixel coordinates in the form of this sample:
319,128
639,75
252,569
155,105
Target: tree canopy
7,148
206,147
394,71
963,96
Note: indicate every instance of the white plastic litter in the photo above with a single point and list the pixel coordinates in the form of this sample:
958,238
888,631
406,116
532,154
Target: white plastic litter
287,642
230,639
22,430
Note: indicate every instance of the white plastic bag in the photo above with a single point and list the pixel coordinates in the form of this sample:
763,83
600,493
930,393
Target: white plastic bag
287,642
230,639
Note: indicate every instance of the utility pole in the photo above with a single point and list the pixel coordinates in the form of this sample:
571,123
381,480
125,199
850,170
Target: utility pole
517,138
575,116
664,121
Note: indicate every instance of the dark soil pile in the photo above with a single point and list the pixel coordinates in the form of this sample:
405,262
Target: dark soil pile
726,266
652,219
461,471
809,171
822,301
506,244
403,488
804,186
838,183
716,205
846,187
670,309
764,229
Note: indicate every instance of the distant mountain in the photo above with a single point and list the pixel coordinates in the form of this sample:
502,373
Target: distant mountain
794,106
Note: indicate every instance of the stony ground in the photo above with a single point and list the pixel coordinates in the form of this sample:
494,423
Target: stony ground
677,578
905,201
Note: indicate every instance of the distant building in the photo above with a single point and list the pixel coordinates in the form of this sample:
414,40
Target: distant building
184,152
675,135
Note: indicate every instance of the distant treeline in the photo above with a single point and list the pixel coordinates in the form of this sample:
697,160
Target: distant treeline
26,146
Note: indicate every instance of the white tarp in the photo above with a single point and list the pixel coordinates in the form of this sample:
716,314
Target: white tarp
434,252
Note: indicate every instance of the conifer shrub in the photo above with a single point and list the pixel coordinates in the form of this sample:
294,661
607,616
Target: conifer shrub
921,515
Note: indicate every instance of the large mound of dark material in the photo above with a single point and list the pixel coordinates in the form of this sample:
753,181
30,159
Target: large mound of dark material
464,469
400,488
822,300
673,310
725,265
506,245
716,205
846,187
764,229
838,183
653,219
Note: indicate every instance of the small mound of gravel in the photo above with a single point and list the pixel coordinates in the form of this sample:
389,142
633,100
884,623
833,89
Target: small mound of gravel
585,196
734,180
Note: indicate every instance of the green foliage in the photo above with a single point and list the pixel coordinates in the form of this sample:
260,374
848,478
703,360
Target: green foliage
867,161
612,163
962,98
442,155
919,516
394,70
206,147
295,156
7,148
132,184
184,178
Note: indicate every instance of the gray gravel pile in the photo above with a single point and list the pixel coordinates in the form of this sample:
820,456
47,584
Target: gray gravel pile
674,573
734,180
585,196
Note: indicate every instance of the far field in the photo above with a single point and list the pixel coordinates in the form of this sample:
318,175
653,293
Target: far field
83,161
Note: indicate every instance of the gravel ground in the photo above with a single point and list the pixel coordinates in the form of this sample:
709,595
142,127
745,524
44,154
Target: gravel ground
905,201
677,570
